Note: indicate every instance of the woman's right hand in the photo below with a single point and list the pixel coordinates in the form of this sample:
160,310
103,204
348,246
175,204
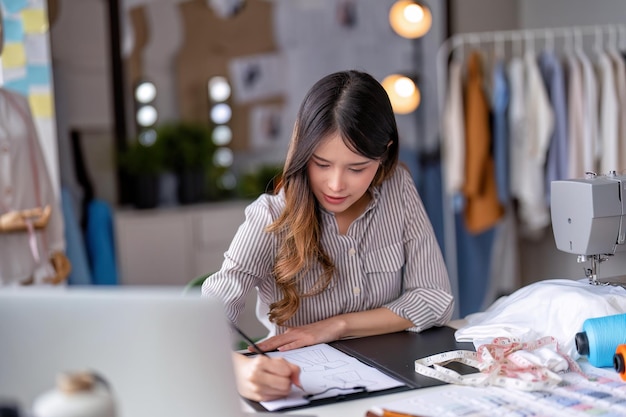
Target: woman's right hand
261,378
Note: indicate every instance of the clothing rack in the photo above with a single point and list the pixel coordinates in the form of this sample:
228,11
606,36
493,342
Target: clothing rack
511,43
518,40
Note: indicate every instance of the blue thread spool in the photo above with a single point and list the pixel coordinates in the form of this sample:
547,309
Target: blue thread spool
600,337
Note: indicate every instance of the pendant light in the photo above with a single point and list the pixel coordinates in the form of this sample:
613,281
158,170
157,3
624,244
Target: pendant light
403,93
410,19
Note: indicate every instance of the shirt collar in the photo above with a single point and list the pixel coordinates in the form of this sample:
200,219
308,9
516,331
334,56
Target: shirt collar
374,192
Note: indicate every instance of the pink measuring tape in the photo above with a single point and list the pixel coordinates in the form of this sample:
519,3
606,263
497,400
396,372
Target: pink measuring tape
504,362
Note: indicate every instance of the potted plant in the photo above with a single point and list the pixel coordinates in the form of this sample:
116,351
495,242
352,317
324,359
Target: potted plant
145,164
189,151
260,180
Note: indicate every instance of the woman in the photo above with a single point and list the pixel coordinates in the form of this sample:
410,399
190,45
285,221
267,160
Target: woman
344,247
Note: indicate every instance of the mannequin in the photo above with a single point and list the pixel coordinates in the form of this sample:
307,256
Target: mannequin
32,243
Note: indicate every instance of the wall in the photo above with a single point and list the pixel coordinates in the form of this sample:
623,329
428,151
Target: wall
484,15
82,80
310,42
556,13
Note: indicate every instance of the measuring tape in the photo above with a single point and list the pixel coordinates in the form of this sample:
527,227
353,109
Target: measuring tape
502,363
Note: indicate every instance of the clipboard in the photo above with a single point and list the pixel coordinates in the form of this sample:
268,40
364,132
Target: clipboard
393,354
328,400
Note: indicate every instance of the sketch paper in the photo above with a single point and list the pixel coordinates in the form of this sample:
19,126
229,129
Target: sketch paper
323,367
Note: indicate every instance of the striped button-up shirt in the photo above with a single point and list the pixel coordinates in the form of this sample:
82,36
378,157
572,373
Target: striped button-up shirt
389,257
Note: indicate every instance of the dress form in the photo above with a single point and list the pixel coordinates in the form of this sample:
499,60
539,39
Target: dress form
32,243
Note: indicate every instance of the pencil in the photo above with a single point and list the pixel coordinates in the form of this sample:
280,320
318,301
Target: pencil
249,340
389,413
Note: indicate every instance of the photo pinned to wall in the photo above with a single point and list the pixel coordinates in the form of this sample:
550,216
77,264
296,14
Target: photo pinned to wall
257,77
267,127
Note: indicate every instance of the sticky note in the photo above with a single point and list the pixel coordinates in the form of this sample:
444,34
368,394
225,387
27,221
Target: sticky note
14,6
13,30
38,74
35,21
42,105
13,55
18,85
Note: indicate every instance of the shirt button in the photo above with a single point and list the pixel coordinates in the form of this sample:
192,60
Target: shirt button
352,251
8,191
356,290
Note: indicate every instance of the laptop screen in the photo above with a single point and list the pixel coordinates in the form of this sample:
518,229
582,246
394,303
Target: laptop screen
163,354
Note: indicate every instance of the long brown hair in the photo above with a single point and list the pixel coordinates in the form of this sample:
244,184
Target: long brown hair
355,105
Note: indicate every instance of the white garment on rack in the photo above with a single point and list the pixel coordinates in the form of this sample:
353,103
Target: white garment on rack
453,131
608,120
534,212
575,99
590,114
517,123
619,68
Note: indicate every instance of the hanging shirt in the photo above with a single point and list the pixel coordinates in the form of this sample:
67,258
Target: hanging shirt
608,111
389,257
500,107
482,208
575,117
25,184
619,71
556,164
533,210
517,124
453,133
590,114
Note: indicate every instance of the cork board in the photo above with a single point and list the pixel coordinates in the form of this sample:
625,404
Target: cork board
210,43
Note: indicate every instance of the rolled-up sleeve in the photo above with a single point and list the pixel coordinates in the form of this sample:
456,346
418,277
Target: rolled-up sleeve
248,261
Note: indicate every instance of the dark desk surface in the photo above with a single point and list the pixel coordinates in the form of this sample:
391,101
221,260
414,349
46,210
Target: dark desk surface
396,353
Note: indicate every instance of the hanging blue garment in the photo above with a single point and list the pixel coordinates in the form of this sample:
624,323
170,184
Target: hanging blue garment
473,264
101,243
554,80
74,243
500,131
429,188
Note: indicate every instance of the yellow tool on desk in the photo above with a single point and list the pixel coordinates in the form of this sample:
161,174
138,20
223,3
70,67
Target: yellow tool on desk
387,413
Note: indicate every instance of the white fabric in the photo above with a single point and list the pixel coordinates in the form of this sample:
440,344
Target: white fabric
517,123
608,120
575,117
453,132
533,209
556,308
590,121
619,68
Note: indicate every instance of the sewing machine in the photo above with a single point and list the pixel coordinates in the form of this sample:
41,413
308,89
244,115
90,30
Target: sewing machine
588,218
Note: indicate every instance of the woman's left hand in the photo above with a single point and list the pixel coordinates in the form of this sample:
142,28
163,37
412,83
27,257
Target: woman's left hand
296,337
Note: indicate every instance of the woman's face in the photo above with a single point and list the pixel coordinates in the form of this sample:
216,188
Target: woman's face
338,176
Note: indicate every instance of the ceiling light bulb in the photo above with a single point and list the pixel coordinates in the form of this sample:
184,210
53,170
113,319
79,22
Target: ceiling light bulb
403,93
410,18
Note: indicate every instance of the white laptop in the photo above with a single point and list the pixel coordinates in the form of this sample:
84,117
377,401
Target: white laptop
162,353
